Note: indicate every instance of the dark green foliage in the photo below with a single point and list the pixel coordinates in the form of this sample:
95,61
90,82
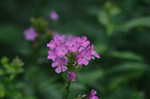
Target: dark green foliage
119,29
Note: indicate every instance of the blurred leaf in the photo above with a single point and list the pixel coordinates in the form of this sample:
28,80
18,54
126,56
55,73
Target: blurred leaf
90,77
1,72
11,69
130,66
101,48
123,73
4,60
93,11
107,17
2,91
112,9
39,24
16,61
17,65
126,93
103,18
126,55
143,21
77,86
45,84
10,34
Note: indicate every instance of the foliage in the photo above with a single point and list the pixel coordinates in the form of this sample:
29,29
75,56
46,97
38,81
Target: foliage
119,30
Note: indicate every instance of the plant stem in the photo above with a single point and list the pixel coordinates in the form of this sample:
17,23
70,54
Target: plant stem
67,90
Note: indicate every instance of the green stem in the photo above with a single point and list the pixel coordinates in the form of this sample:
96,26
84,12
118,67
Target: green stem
67,90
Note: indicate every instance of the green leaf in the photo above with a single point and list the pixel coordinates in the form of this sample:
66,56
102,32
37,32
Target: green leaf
103,18
123,73
126,93
90,77
1,72
101,48
10,34
126,55
39,24
129,66
144,22
4,60
2,91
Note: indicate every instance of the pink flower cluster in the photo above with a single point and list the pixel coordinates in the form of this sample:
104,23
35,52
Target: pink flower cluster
92,95
53,15
62,45
71,76
30,34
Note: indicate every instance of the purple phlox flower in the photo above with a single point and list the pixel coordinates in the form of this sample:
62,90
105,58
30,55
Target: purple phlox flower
83,41
85,55
62,45
72,44
30,34
53,15
57,47
71,76
92,95
52,55
61,51
60,64
57,41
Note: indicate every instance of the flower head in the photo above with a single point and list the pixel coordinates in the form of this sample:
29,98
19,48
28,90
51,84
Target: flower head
60,64
71,76
85,55
92,95
53,15
62,45
30,34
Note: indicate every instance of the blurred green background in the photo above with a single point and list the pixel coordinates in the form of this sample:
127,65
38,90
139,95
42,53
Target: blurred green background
119,29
